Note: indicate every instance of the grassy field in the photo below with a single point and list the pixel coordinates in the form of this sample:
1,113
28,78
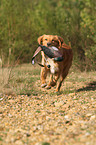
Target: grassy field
31,115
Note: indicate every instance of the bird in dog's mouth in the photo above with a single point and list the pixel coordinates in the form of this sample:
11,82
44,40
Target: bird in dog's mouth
53,54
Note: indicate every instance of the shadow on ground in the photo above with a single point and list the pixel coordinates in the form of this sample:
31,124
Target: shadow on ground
89,87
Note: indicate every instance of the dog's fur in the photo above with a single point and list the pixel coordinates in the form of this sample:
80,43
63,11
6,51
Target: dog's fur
62,67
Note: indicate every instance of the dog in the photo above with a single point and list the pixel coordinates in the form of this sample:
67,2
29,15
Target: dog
57,69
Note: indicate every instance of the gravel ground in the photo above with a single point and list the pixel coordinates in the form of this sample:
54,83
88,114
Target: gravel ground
49,118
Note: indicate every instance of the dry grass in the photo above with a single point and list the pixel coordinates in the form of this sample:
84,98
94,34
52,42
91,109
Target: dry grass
32,115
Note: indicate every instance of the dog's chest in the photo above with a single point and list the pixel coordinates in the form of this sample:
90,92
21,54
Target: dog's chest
53,66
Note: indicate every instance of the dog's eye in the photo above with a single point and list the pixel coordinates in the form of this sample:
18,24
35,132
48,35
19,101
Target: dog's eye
46,39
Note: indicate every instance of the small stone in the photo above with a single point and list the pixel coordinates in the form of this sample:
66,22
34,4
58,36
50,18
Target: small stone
11,101
66,117
88,115
10,138
1,110
58,104
93,117
10,115
87,134
48,118
84,107
1,99
18,142
1,128
38,143
42,143
72,94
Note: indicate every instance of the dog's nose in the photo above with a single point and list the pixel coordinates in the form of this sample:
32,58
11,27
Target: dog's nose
48,44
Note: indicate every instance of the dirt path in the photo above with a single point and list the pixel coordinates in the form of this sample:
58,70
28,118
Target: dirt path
65,118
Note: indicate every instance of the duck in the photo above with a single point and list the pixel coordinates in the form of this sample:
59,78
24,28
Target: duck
51,52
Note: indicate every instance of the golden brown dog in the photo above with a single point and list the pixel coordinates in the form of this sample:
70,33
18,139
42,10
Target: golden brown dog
57,69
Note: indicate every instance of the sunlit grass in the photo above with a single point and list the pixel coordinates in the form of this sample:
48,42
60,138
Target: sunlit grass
25,79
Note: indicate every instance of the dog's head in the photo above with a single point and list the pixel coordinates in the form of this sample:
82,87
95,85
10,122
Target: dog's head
50,40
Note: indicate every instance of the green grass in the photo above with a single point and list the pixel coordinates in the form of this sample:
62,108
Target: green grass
45,143
1,139
25,80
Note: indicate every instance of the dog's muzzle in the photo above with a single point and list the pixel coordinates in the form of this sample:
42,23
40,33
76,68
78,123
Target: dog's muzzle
48,44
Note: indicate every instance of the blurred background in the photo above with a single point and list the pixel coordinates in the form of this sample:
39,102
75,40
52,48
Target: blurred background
23,21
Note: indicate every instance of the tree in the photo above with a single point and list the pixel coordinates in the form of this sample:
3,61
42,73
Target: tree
22,22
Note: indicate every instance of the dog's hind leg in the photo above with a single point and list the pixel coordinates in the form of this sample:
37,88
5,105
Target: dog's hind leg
61,80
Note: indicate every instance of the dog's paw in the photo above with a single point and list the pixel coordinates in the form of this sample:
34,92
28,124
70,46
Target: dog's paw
43,85
48,87
57,90
53,84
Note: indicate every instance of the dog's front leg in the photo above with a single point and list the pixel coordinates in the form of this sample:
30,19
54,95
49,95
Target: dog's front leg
50,80
43,72
53,80
43,77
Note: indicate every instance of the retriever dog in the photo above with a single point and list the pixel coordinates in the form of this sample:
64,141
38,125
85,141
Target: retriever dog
58,69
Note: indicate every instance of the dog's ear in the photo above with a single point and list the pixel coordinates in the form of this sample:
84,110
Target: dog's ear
61,39
40,39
